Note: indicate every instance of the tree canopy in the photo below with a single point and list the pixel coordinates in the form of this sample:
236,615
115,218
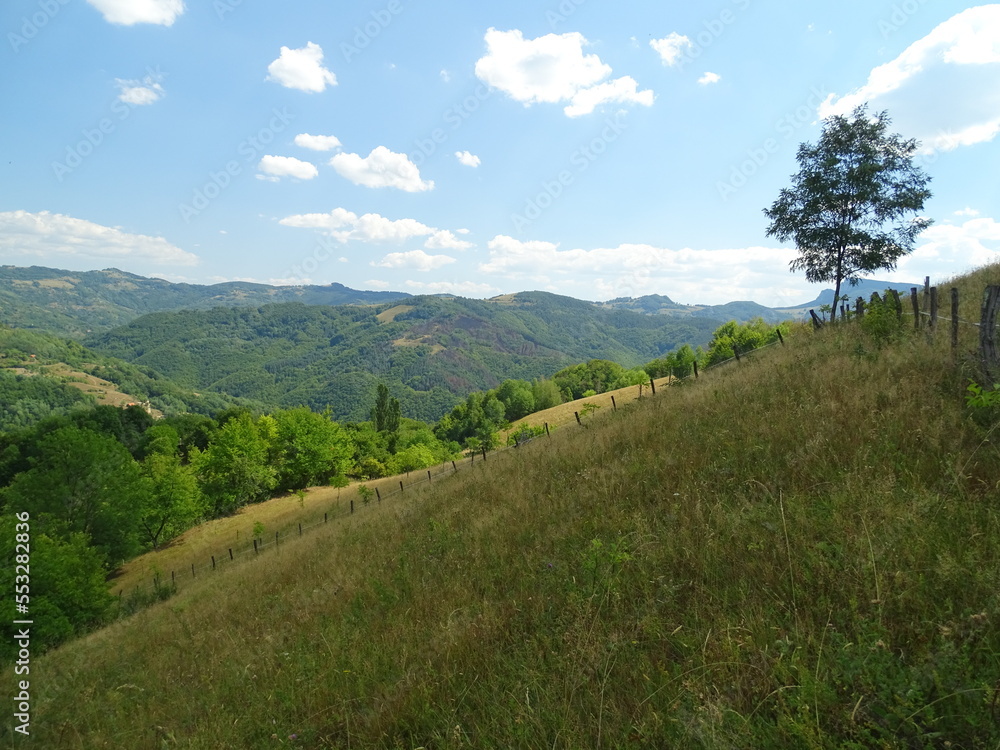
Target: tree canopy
852,205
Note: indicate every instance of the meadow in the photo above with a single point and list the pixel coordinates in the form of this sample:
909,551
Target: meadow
798,550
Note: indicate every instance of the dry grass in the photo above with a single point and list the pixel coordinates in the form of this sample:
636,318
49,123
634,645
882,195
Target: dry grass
799,551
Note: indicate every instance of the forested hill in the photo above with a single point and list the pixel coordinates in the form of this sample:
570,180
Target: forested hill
431,351
71,303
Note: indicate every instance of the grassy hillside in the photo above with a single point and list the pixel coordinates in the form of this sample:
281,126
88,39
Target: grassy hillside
431,351
43,374
72,303
798,551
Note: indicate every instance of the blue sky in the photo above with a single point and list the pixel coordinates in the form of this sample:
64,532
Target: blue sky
582,147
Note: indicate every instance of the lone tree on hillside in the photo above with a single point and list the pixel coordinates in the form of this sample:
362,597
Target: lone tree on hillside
847,210
386,415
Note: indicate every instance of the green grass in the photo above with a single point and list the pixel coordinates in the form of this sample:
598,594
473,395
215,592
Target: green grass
797,551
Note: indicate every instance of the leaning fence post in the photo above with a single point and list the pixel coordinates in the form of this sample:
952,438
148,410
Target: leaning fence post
899,305
577,415
817,324
484,453
613,404
780,337
934,307
988,333
213,562
652,386
547,433
230,553
428,475
916,308
954,317
378,494
453,466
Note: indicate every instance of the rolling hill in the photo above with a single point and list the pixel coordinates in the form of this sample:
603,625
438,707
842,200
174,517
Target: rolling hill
431,351
72,304
798,550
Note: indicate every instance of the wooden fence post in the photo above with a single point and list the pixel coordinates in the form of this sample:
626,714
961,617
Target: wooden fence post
230,553
916,308
614,406
275,538
378,494
736,351
516,443
988,333
400,485
453,466
324,518
954,317
255,546
352,506
780,337
484,453
652,386
934,307
173,579
429,475
213,562
859,307
192,570
927,291
577,415
547,433
300,529
899,305
817,324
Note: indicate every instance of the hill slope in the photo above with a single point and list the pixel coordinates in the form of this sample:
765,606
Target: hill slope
432,351
73,303
799,551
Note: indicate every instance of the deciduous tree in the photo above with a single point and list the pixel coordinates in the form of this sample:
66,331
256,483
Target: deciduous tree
852,205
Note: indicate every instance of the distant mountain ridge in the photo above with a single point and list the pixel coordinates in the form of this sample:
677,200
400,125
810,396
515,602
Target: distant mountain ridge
75,304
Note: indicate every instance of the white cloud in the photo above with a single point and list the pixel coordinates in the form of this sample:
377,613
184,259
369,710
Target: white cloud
622,89
317,142
671,47
52,237
709,78
140,92
345,226
414,260
301,69
130,12
553,69
446,76
946,250
967,212
287,166
444,239
457,288
632,270
381,168
468,159
942,88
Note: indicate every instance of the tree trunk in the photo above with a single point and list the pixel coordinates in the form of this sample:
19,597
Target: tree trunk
836,299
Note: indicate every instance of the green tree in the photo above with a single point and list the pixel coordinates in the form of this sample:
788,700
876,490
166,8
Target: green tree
69,591
313,448
849,208
80,481
174,501
546,394
234,470
386,414
517,398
